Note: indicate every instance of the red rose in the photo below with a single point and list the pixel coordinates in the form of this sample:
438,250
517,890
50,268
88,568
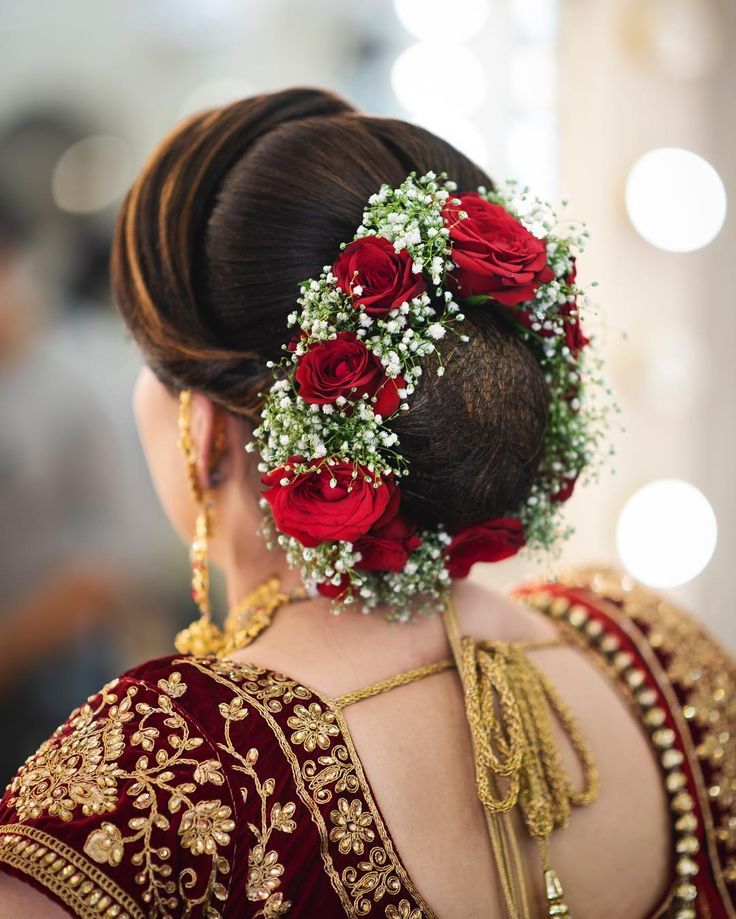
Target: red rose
343,366
389,542
575,338
300,336
383,276
564,492
491,541
494,253
313,511
334,590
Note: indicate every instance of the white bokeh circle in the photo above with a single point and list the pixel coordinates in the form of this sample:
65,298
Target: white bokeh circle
675,199
667,533
423,86
427,20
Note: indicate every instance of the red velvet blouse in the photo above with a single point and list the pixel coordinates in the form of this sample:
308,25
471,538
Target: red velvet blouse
198,787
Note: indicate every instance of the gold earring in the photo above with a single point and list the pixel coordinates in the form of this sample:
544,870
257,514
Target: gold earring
202,637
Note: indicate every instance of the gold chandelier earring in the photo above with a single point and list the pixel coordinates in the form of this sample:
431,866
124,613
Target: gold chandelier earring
202,637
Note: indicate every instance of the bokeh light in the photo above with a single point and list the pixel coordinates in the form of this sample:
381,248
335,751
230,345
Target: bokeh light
461,133
428,19
675,199
91,174
535,20
532,150
667,533
533,77
423,84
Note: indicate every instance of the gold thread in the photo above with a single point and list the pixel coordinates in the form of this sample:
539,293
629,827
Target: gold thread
498,677
49,878
398,679
629,604
308,798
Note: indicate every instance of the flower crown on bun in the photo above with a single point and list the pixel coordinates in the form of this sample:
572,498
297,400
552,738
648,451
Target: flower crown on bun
332,465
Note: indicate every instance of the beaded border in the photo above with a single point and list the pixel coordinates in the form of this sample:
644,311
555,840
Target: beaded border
646,701
79,884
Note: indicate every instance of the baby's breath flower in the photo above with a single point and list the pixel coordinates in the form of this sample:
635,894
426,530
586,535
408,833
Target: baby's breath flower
349,429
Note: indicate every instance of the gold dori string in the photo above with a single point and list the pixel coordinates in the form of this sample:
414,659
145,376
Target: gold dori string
509,704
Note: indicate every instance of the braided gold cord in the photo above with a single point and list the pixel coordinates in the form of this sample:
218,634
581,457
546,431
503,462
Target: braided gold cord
399,679
509,704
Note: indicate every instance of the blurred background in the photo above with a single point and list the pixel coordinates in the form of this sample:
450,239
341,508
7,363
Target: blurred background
626,108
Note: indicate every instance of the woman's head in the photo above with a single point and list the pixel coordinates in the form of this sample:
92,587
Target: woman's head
240,204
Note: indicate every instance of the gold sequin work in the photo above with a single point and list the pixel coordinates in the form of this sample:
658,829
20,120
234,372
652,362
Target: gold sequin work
199,787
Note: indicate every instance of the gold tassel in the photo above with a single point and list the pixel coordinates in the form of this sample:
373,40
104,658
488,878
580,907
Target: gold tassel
518,750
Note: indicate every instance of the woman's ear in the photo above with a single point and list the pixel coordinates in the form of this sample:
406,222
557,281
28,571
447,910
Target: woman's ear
211,436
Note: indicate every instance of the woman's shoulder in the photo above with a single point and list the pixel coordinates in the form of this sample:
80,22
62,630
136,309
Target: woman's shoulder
680,685
136,803
633,628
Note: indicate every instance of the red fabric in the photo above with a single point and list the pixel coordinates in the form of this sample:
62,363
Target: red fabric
634,638
223,709
169,747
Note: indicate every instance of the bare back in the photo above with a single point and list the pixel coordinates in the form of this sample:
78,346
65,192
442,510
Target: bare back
416,750
286,791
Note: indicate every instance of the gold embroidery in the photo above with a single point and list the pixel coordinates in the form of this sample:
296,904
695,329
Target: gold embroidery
264,869
76,769
273,689
316,725
694,664
337,769
80,767
352,827
313,727
404,911
375,877
205,826
699,667
105,846
88,892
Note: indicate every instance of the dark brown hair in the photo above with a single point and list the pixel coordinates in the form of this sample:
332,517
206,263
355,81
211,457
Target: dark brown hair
237,206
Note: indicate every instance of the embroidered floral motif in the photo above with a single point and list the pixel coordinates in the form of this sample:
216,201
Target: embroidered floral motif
205,826
375,877
307,723
264,868
277,690
82,768
313,727
352,827
77,768
337,769
273,907
105,846
264,872
404,911
209,771
174,686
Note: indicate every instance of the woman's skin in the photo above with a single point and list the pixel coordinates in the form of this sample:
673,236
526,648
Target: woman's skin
613,858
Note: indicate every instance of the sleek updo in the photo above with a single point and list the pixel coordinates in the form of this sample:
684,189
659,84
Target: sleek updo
236,207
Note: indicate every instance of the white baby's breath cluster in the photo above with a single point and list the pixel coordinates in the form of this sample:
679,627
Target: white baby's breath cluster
580,402
410,217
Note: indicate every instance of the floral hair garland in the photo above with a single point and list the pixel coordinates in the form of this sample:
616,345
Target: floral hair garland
332,465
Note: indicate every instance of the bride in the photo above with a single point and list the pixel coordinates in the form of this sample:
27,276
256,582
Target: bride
397,344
